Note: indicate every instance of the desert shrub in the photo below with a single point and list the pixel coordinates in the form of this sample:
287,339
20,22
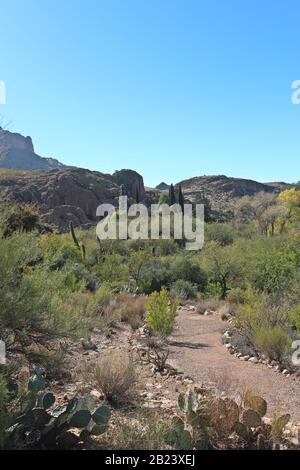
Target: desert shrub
27,293
220,233
166,247
113,270
251,315
186,269
115,376
20,217
38,293
113,247
274,342
225,266
153,276
164,198
82,311
161,313
259,313
159,273
274,270
236,296
138,245
57,250
71,315
129,309
99,301
183,290
294,317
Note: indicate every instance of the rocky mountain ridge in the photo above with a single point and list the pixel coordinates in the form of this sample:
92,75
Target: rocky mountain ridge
64,193
17,152
221,190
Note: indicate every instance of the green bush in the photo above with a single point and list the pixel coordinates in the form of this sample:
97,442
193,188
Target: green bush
183,290
113,270
274,270
154,275
57,250
188,270
99,301
274,342
165,247
82,311
159,273
294,317
161,313
20,217
236,296
225,266
31,294
220,233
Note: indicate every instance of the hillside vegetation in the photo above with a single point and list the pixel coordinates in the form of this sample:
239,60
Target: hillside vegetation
56,289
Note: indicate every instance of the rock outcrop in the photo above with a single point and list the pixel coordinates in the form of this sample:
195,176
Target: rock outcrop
221,191
62,193
132,181
72,194
17,152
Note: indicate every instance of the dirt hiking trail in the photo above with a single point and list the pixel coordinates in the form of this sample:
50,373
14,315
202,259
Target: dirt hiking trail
197,350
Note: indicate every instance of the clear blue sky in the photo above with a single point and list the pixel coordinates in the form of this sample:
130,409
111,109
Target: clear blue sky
170,88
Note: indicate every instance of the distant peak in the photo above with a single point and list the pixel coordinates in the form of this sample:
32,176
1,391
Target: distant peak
17,152
162,186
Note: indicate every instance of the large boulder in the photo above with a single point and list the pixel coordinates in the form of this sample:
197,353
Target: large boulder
132,181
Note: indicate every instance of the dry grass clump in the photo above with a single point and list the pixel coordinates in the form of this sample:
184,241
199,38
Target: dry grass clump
114,375
144,430
207,304
128,309
224,381
224,312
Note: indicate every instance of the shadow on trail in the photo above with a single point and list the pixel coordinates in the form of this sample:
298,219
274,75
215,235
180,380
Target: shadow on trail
186,344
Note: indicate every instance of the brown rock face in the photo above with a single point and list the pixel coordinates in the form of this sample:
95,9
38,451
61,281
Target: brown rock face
66,195
132,181
17,151
16,141
221,190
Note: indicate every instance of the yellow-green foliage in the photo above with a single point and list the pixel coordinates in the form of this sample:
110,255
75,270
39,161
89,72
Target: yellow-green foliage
58,250
113,270
161,312
274,342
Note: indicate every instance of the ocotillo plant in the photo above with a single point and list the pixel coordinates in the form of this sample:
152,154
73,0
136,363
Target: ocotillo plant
78,244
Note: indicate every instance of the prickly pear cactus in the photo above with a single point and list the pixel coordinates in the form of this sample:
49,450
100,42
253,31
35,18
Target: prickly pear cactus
41,426
256,403
178,437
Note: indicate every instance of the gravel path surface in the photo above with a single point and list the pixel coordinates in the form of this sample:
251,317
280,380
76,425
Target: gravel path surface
197,350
